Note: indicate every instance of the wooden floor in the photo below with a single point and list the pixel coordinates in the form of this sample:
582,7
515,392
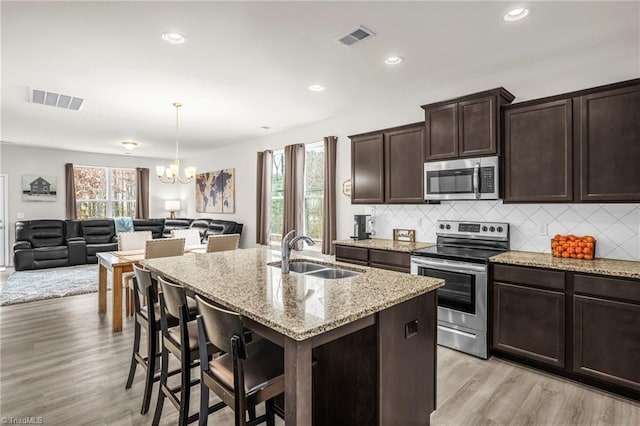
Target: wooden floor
60,361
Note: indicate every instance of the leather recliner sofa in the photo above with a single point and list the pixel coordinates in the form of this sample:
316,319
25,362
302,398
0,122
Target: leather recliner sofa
52,243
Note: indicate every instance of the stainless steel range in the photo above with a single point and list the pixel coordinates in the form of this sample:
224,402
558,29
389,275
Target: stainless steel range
461,258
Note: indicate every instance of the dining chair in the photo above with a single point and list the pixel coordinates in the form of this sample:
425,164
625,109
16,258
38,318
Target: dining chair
147,316
131,241
192,236
164,247
182,343
246,375
223,242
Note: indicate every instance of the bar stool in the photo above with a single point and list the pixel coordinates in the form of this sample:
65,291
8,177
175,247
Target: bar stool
147,315
182,342
246,375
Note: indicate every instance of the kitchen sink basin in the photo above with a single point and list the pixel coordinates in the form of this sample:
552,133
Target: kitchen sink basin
333,274
317,270
304,267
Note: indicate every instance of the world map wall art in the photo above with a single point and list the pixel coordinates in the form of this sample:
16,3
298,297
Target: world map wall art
215,192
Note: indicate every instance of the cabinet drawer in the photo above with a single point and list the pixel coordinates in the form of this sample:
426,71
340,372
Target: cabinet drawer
352,253
614,288
393,258
543,278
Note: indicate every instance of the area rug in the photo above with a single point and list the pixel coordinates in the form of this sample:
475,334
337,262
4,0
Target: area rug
29,286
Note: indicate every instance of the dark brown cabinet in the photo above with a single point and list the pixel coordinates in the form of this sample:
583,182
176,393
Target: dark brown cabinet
367,169
387,166
539,152
580,146
606,332
465,127
529,321
583,326
609,143
384,259
403,159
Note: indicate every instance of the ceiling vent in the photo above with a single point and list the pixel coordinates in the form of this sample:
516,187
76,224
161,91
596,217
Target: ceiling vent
54,99
356,36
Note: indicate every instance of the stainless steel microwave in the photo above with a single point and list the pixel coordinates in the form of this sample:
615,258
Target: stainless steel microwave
464,179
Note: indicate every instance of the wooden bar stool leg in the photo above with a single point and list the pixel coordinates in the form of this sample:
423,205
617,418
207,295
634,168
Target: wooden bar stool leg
163,384
136,349
152,349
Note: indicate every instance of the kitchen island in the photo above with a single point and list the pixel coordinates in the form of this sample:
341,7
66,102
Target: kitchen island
372,336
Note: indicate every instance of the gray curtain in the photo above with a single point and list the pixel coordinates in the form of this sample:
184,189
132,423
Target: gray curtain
293,190
263,197
70,192
329,195
142,193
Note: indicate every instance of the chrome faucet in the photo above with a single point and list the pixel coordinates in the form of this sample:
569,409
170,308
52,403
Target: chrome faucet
289,242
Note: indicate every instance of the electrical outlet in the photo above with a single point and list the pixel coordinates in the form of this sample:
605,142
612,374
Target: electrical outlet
20,215
543,229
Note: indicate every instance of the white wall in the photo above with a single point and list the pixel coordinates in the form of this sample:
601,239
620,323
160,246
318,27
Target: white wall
16,161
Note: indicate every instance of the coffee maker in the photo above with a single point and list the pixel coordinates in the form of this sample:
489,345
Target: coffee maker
361,227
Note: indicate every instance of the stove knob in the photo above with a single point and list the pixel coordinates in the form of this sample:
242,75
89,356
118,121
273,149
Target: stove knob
500,229
448,226
492,229
485,229
441,226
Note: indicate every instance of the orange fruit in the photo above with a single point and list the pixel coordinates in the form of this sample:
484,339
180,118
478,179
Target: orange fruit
588,256
580,256
565,254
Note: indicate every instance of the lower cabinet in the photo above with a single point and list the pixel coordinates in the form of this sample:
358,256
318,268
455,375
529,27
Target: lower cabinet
529,322
606,333
384,259
588,326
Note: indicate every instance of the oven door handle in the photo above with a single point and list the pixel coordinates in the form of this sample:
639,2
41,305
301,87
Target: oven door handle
476,180
452,266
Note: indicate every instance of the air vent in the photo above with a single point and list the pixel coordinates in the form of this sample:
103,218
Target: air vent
54,99
356,36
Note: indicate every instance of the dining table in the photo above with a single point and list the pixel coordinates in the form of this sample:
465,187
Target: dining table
118,263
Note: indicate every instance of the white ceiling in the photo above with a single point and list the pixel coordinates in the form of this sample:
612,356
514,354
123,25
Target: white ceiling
248,64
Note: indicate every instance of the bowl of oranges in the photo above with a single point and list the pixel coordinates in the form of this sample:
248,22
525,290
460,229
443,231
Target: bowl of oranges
572,247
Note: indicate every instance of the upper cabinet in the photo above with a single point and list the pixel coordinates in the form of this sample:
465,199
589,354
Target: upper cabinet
608,141
578,147
387,165
465,127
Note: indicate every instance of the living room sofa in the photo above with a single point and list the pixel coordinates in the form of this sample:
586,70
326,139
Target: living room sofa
51,243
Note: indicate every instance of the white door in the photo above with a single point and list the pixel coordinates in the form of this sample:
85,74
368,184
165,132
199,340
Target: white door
3,224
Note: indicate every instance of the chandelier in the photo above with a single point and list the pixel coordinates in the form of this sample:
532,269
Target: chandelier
171,174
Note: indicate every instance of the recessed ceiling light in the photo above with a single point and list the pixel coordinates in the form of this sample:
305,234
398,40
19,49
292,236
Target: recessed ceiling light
515,14
393,60
316,88
129,145
173,38
265,128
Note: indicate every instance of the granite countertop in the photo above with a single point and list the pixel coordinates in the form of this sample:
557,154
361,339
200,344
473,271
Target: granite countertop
382,244
298,306
613,267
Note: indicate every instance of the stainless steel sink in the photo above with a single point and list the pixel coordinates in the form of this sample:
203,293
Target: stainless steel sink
333,274
317,270
304,267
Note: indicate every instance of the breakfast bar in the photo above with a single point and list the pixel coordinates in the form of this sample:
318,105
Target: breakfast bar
371,336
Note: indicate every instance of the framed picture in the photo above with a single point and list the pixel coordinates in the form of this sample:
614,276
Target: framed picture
404,235
39,188
215,192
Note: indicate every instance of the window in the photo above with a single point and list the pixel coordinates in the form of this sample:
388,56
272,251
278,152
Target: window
277,197
313,193
313,190
104,192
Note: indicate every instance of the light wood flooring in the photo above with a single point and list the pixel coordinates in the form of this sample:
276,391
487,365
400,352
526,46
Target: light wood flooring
60,361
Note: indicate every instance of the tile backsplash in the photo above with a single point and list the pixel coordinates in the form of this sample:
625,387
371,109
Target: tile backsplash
616,227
